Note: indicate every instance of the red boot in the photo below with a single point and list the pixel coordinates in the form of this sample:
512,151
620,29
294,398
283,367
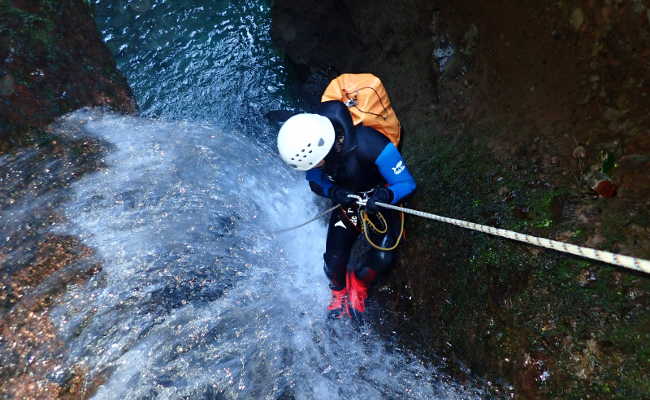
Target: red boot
357,292
339,305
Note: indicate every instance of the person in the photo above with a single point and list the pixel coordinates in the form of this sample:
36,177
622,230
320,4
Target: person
341,161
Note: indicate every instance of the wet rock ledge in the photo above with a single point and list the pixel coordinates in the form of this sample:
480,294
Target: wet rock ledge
525,115
52,61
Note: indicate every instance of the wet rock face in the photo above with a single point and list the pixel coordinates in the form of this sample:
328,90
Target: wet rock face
528,116
52,61
325,38
38,266
302,40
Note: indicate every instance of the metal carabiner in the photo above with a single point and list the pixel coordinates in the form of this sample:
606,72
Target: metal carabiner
361,201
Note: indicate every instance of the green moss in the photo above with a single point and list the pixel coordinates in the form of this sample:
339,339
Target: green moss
30,30
505,298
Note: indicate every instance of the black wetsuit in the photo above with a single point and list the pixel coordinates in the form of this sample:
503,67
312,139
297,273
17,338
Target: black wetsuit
361,160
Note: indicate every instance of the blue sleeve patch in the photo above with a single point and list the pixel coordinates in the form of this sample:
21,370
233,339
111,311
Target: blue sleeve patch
316,176
393,168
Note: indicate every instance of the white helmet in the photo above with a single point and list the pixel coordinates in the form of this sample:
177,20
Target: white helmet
305,139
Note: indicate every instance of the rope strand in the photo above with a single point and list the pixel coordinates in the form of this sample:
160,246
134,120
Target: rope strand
637,264
329,210
634,263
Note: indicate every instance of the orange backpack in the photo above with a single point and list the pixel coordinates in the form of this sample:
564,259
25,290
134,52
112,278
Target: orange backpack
367,101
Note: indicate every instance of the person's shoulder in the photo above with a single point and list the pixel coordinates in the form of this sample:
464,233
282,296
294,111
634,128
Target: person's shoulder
370,141
372,136
335,110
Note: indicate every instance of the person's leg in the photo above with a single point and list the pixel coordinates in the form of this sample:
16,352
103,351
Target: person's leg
375,263
378,263
340,238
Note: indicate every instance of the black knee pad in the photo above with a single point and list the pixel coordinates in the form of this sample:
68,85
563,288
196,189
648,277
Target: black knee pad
380,261
366,274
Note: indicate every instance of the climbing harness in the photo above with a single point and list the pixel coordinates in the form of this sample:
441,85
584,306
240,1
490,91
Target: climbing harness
634,263
366,222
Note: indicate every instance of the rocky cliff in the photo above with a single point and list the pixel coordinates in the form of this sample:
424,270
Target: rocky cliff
52,61
529,116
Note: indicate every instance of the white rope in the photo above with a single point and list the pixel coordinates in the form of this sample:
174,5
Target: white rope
329,210
634,263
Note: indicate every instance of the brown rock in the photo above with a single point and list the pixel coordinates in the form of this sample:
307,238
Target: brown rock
75,61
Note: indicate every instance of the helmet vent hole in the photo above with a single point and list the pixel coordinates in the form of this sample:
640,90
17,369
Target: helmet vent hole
321,142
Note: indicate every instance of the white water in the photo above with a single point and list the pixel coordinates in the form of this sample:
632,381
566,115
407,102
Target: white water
195,298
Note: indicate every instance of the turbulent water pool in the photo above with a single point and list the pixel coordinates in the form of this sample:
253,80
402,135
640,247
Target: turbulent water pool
195,297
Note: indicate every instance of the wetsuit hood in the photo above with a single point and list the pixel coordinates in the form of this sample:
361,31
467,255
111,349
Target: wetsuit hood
339,115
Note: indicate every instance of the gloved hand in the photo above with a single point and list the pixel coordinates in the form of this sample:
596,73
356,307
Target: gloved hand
380,194
340,196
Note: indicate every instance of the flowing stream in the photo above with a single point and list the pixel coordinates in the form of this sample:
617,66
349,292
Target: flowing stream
195,298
